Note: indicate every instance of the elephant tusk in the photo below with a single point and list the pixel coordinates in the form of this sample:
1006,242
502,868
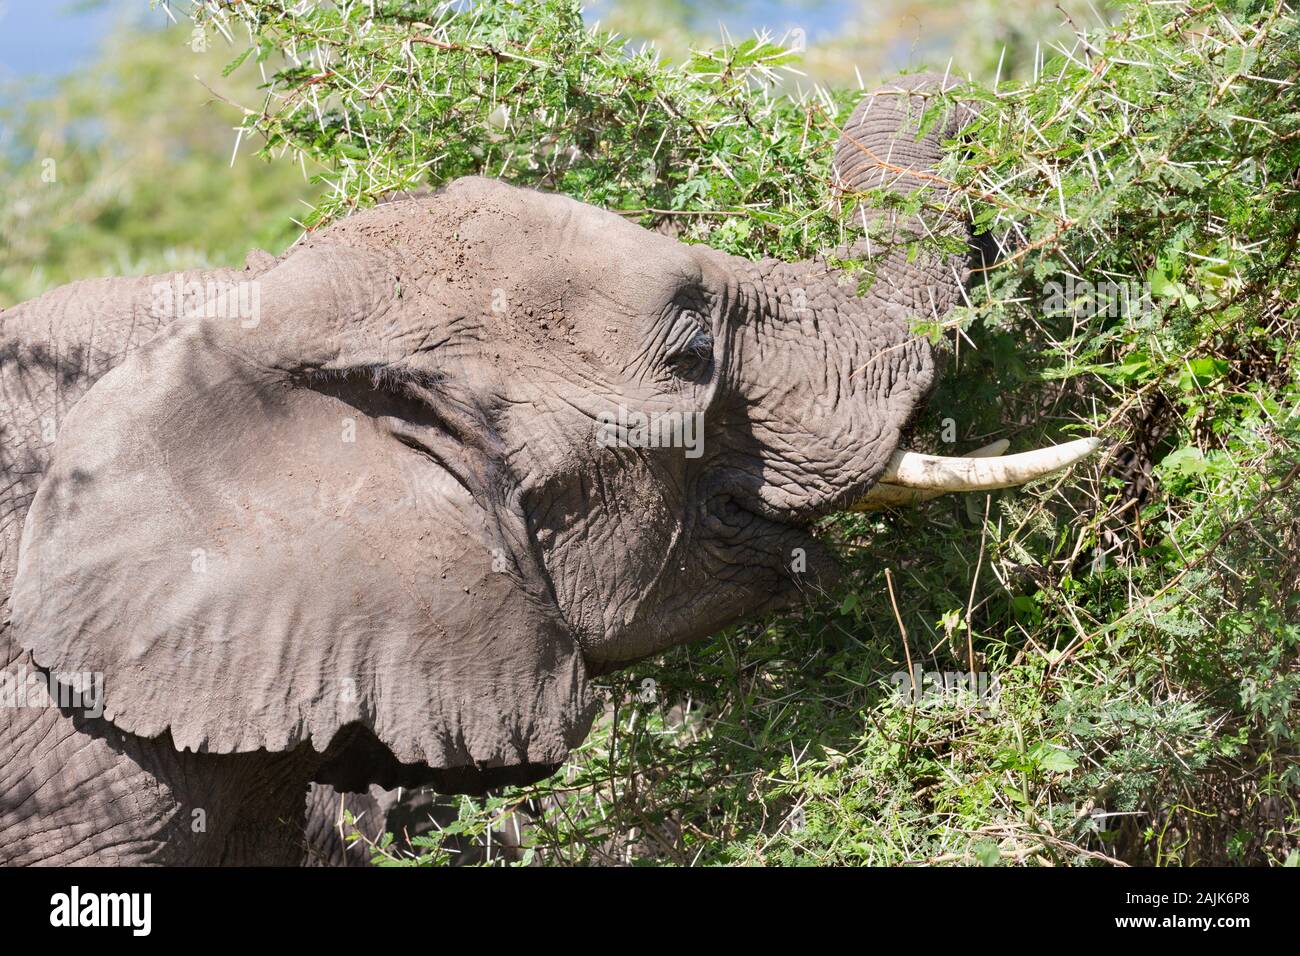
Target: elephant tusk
910,478
935,473
885,495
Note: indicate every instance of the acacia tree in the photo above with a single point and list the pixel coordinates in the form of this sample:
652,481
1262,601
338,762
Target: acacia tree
1140,620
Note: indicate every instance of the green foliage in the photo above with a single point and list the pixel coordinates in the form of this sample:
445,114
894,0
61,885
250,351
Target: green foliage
126,168
1140,616
423,94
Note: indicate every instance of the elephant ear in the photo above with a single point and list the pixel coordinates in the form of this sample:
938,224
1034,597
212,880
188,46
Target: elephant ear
250,557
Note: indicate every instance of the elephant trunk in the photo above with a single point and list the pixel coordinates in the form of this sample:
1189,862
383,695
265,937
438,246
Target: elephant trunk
883,153
881,146
882,150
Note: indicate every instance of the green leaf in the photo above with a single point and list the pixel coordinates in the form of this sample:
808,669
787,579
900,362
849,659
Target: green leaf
233,65
1185,462
1053,759
1200,373
1161,285
1135,368
986,853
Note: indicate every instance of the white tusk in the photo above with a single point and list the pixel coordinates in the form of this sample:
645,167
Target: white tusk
933,472
884,495
910,478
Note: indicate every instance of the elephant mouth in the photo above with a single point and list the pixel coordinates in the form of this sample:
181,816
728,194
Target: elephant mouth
737,506
749,531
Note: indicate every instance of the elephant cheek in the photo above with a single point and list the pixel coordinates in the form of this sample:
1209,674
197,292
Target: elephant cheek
609,542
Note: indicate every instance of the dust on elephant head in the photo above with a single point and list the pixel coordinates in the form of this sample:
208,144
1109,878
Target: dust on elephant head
472,448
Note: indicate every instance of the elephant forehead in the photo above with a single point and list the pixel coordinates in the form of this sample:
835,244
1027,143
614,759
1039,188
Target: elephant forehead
557,244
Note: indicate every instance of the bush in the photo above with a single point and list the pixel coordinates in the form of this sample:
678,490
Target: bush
124,168
1139,620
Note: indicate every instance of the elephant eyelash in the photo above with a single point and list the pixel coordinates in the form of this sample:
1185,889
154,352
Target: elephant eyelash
691,360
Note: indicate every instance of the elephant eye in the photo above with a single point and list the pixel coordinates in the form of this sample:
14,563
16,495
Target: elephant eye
693,358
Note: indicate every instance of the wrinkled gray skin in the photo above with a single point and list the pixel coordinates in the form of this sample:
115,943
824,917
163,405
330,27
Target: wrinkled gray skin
374,540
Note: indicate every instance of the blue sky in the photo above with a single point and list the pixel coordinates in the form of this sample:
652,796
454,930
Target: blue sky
741,16
52,37
43,38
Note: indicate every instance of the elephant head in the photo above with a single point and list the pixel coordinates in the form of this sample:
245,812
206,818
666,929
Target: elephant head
469,449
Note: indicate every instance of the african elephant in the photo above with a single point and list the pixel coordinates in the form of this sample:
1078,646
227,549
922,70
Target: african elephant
374,512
